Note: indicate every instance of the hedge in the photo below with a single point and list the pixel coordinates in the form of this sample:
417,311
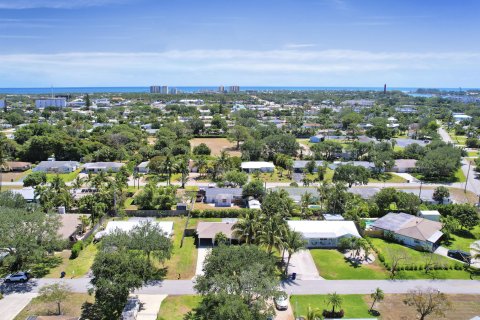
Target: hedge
226,213
76,248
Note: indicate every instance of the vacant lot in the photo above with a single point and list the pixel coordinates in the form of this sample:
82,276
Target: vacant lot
217,145
392,307
77,267
12,176
332,265
175,307
354,305
71,307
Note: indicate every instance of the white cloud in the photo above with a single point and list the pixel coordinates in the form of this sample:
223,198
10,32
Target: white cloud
53,4
209,67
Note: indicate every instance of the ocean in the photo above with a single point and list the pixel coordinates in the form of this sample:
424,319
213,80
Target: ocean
66,90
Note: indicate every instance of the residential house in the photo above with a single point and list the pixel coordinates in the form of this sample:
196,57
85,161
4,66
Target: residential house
56,166
27,193
223,197
17,166
412,231
296,193
433,215
318,138
300,165
96,167
324,234
404,165
143,167
262,166
206,231
70,226
366,164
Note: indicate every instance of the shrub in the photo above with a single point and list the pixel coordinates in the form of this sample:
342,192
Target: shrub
381,257
76,248
333,315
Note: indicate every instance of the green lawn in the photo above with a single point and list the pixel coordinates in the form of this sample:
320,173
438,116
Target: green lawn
353,305
458,176
417,258
472,153
184,259
462,239
389,178
78,267
273,176
331,265
175,307
66,177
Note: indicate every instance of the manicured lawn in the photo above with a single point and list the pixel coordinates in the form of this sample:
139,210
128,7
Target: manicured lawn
273,176
389,178
417,258
71,307
175,307
184,259
353,305
331,265
458,176
472,153
66,177
77,267
463,239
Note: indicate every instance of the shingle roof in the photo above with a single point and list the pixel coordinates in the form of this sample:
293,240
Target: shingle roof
208,230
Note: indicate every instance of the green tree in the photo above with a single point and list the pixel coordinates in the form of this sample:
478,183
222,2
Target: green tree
293,243
247,227
313,314
351,174
202,149
238,134
327,150
236,178
55,293
35,179
440,194
335,301
467,216
254,189
378,295
154,197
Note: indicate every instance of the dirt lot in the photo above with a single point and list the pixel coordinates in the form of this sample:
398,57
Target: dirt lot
151,140
12,176
465,307
217,145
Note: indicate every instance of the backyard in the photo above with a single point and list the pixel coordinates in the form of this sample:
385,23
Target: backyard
175,307
462,239
354,305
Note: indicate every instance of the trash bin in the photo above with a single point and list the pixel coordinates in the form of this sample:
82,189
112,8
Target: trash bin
62,274
294,276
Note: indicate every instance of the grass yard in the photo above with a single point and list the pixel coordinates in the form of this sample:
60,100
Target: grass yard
332,265
458,176
273,176
175,307
71,307
217,145
389,178
354,305
462,239
417,258
78,267
13,176
66,177
472,153
184,259
465,306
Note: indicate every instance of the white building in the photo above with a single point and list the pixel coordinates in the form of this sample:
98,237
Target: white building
324,234
262,166
433,215
52,102
95,167
2,103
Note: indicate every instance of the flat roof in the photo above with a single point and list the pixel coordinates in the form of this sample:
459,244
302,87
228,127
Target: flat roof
257,165
327,229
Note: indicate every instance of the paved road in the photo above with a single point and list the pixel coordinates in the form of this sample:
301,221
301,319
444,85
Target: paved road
444,135
183,287
11,305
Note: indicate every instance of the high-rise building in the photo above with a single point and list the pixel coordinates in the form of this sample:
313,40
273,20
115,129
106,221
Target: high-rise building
234,89
221,89
173,91
164,90
159,89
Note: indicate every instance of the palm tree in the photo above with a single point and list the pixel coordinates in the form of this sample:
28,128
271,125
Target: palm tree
313,314
293,243
184,170
271,232
246,228
202,165
77,183
306,200
136,176
335,300
169,166
3,165
376,296
85,222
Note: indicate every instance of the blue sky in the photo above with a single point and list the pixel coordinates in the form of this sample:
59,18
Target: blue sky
246,42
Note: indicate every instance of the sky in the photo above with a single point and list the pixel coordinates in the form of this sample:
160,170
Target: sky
408,43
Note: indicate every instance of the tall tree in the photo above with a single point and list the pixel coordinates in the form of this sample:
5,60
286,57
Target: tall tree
351,174
293,243
428,302
378,295
55,293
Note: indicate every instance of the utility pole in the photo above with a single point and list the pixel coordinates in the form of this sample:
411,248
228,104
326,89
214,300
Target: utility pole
420,193
468,173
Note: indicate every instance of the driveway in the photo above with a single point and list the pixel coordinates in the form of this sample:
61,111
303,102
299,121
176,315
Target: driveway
150,305
286,314
202,254
303,265
406,176
12,304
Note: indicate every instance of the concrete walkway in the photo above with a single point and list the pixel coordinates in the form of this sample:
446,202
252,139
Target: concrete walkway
12,304
303,265
202,254
406,176
150,305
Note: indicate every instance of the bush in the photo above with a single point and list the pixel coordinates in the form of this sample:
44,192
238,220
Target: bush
76,248
333,315
381,257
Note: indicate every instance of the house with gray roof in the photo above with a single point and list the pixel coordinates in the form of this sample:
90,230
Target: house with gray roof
223,197
366,164
296,193
410,230
143,167
96,167
56,166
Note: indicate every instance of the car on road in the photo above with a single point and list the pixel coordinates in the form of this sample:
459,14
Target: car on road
17,277
459,255
281,302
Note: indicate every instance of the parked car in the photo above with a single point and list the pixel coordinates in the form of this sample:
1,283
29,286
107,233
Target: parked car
17,277
459,255
281,302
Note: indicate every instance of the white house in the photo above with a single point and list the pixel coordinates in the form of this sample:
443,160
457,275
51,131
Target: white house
222,197
324,234
95,167
410,230
262,166
143,167
459,117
